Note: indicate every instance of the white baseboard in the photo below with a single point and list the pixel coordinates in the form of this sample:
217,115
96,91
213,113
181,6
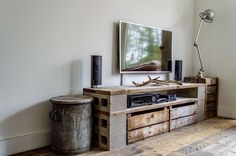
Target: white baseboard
24,143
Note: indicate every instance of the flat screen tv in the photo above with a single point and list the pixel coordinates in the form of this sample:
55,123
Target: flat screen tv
144,49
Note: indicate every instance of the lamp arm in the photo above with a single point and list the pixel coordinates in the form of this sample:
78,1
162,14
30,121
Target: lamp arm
196,44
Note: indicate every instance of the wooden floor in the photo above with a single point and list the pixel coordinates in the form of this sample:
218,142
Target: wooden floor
213,137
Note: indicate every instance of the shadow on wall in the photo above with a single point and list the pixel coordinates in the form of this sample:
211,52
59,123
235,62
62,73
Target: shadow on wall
30,127
115,49
77,77
27,129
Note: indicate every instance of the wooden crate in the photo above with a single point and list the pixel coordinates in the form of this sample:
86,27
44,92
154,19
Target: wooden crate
211,90
143,119
211,98
183,110
211,102
210,106
147,123
177,123
142,133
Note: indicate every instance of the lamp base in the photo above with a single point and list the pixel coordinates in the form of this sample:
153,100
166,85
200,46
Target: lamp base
200,74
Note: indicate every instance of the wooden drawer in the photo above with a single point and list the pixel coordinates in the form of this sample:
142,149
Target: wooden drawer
147,118
142,133
211,98
211,89
183,122
183,110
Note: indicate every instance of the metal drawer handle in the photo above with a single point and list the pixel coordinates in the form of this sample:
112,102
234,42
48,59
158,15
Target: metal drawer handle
54,115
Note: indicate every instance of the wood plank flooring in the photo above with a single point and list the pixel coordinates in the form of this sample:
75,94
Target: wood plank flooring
213,137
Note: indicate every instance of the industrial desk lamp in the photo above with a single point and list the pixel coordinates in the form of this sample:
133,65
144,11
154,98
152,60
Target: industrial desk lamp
206,16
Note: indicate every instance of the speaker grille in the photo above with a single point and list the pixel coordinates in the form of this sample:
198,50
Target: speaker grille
96,70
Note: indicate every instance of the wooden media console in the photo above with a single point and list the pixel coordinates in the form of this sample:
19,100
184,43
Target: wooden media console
115,125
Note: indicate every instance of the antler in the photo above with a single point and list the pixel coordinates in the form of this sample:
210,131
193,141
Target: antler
156,81
146,82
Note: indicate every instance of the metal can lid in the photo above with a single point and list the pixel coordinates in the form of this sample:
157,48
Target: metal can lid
71,99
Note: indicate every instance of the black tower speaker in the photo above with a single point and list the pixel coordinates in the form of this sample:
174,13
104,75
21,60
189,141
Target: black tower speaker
178,70
169,68
96,71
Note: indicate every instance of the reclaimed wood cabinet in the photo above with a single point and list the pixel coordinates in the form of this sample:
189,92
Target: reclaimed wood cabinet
115,125
211,102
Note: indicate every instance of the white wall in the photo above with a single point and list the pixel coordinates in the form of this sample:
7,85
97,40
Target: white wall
45,49
217,42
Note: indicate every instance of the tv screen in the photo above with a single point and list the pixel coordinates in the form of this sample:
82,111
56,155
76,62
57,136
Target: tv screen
144,49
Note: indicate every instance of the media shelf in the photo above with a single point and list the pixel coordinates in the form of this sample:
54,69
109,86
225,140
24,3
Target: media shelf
179,101
115,125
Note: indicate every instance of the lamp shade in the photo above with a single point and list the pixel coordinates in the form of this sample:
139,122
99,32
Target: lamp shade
207,15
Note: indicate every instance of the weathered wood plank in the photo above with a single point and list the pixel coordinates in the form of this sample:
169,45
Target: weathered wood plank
211,89
179,101
190,80
145,132
206,80
210,114
211,106
147,119
182,122
209,81
132,90
106,91
211,98
183,111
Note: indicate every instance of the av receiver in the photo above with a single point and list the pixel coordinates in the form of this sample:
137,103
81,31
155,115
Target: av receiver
137,100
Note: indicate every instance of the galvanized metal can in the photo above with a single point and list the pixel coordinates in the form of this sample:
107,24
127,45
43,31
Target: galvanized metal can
71,124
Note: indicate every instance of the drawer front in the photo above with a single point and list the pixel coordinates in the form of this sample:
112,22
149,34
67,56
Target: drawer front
211,89
179,112
142,133
146,119
183,122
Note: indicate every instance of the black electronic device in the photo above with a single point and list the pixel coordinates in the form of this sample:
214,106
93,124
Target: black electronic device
137,100
168,97
96,71
178,70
